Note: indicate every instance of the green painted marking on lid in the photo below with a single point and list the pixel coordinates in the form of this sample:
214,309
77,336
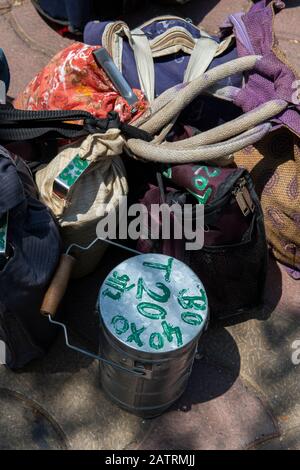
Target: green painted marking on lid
121,328
197,302
141,287
170,331
191,318
118,283
164,267
156,341
135,335
144,306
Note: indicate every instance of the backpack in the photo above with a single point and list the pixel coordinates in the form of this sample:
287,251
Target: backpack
232,264
29,252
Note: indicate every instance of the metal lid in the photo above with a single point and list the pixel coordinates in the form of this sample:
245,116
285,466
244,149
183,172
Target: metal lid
153,303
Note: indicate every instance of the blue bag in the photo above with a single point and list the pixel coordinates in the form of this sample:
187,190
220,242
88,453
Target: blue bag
161,53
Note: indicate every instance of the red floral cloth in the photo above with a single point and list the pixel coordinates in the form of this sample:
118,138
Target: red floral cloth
73,80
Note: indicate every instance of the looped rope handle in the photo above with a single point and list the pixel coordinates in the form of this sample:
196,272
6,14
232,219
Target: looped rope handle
215,143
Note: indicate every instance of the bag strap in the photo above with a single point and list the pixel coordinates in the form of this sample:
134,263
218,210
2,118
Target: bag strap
203,49
20,125
144,62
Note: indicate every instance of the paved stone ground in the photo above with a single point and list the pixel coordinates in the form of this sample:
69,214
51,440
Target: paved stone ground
244,390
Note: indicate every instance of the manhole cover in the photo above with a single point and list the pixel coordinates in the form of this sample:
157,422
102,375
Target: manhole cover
24,424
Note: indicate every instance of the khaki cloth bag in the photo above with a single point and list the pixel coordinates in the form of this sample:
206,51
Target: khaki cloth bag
85,204
274,164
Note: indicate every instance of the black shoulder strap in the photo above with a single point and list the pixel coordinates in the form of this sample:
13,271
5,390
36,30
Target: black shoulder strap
20,125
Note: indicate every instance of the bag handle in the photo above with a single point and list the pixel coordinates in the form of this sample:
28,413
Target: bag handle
54,295
179,97
225,131
212,144
162,154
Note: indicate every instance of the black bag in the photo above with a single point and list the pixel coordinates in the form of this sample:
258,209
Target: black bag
29,238
29,253
233,261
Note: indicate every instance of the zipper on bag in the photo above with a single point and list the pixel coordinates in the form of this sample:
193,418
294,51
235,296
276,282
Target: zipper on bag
243,197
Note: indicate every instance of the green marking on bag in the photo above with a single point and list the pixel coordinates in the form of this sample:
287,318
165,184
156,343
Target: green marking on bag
121,328
156,341
141,287
210,173
135,335
164,267
3,233
70,175
191,318
201,199
168,172
170,331
200,182
141,307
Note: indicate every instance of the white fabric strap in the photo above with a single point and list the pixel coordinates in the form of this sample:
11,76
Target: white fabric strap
144,62
201,57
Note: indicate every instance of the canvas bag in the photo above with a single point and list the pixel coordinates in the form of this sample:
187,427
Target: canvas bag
73,81
85,179
89,199
274,164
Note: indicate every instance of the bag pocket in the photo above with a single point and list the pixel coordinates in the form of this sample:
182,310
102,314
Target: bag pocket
233,275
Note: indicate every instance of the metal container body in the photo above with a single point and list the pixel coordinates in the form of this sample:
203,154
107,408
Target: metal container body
165,382
166,368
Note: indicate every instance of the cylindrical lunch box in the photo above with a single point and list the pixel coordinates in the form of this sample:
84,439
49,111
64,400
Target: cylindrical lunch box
153,310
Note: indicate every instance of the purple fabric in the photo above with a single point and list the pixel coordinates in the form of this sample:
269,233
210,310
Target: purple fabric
271,78
169,70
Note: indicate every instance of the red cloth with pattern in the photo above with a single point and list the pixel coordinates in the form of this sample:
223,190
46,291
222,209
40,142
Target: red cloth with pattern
72,80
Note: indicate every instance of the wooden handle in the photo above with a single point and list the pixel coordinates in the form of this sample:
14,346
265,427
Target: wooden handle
58,286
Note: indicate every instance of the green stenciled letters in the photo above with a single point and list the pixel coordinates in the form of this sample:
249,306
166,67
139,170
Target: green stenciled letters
120,324
144,307
170,331
141,287
164,267
191,318
211,172
156,341
197,302
118,283
135,335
